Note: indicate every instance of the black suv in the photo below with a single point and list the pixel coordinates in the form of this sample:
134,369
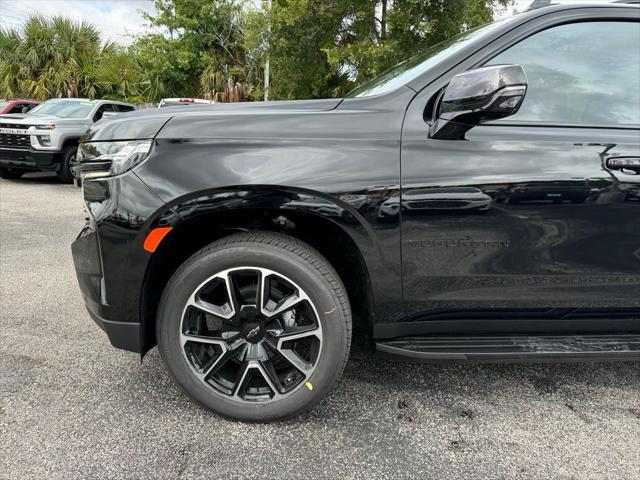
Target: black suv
478,202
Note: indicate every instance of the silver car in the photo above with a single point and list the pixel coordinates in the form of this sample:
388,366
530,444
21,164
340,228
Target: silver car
47,137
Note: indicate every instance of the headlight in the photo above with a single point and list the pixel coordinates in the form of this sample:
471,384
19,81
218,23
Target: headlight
44,140
42,127
103,159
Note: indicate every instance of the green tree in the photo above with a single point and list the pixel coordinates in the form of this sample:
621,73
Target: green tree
300,31
120,77
10,65
56,57
203,46
320,48
218,48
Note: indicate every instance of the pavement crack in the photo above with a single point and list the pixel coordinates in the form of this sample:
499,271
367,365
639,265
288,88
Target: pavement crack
578,413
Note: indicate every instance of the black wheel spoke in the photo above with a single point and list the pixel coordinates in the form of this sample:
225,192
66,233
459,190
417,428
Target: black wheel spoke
297,333
233,294
260,285
272,307
215,364
220,312
283,342
270,376
294,359
240,380
273,310
190,337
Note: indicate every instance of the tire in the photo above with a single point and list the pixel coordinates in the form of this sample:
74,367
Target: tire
321,311
10,173
64,170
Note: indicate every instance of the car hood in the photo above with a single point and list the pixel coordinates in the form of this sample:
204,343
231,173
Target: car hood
147,123
35,119
249,107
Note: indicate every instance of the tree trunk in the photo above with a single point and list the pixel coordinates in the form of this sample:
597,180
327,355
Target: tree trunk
235,91
267,63
383,20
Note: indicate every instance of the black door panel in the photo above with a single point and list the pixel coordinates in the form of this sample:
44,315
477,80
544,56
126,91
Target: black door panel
538,212
525,218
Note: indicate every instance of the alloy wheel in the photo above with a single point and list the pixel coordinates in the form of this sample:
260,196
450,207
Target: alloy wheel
251,334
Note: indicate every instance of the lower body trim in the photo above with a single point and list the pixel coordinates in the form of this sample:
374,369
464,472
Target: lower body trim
514,348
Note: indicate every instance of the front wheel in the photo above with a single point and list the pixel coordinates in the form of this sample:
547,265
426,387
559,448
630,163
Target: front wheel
64,170
256,326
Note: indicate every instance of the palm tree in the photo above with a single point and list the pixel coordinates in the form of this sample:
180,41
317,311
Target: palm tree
120,75
57,57
10,74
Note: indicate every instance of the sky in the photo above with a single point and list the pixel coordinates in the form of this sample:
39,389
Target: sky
117,20
120,20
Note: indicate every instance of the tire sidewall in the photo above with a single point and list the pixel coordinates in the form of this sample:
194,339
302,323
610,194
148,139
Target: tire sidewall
332,316
64,170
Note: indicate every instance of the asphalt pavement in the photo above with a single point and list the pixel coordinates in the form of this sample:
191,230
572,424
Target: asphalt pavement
73,407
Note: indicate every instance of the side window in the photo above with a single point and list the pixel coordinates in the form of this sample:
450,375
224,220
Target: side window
581,73
125,108
17,108
107,107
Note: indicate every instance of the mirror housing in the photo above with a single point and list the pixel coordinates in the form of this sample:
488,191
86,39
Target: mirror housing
108,114
477,96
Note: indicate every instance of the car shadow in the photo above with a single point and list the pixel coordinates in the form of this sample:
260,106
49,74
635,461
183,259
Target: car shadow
39,177
372,385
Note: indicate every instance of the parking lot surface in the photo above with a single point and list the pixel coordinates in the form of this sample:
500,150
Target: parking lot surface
71,406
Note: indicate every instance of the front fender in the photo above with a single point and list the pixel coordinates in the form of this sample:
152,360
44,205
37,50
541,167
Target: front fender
342,165
353,214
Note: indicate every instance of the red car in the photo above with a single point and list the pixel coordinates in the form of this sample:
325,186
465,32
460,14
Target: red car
16,105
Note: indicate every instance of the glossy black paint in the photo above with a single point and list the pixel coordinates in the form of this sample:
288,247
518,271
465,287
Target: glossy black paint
558,241
561,230
514,229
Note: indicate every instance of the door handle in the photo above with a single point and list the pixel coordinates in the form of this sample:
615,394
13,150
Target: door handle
623,163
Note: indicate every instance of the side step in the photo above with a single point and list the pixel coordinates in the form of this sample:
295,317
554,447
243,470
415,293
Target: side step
513,347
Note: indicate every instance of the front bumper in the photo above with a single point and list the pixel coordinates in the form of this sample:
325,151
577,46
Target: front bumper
110,260
123,335
28,159
86,257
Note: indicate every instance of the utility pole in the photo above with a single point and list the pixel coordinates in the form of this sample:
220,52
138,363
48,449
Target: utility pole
266,63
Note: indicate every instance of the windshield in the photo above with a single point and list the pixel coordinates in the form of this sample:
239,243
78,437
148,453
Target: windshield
406,71
3,104
64,108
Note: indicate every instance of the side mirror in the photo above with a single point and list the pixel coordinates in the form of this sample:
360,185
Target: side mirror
477,96
109,114
24,109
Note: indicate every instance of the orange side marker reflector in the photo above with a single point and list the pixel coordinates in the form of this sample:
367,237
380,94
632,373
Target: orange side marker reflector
155,237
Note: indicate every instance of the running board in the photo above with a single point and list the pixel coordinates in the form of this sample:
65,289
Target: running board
513,348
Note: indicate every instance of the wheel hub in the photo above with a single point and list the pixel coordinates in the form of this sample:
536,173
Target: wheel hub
251,324
253,332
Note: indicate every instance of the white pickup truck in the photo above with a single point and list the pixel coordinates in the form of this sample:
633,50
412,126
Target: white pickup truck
46,138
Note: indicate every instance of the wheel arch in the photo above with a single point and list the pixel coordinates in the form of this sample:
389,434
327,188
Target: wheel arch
66,143
70,142
333,229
